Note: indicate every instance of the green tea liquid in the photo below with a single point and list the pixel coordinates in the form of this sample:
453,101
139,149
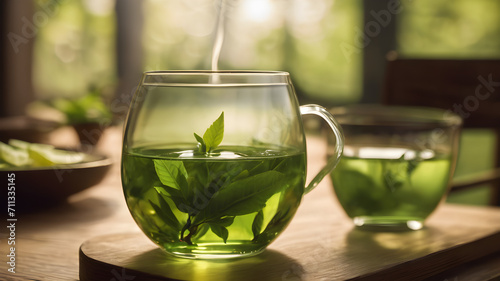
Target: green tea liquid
233,202
382,185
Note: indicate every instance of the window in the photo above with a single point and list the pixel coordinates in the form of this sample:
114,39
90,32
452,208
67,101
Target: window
444,29
74,48
300,36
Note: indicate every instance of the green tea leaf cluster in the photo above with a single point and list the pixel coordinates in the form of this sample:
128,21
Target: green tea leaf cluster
214,193
212,137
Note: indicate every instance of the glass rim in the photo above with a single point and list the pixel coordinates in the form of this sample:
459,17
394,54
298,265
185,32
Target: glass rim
215,78
395,115
227,72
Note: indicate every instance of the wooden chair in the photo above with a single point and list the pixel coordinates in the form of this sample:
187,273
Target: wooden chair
470,88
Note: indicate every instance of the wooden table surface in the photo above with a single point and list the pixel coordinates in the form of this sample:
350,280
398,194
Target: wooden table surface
459,242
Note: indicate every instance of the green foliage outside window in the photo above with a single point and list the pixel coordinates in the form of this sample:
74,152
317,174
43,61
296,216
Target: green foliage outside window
74,48
450,29
302,37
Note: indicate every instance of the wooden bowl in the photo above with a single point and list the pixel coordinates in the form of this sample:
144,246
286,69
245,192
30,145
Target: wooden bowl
36,188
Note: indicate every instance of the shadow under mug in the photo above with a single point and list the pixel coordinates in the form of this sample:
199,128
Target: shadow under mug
397,164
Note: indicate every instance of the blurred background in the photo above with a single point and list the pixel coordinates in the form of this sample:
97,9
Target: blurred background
335,50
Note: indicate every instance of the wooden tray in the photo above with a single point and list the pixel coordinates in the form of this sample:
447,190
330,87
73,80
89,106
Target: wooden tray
313,247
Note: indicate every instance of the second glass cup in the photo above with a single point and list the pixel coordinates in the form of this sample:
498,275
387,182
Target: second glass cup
397,164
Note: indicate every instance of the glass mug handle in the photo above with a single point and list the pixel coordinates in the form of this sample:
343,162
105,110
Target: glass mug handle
339,142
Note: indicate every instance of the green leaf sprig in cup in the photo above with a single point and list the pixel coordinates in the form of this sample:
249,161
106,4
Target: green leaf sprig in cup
212,137
238,191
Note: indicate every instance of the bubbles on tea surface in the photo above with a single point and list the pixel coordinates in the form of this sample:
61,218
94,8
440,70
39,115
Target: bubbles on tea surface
194,154
251,152
222,152
427,154
230,155
415,225
180,154
387,153
271,152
